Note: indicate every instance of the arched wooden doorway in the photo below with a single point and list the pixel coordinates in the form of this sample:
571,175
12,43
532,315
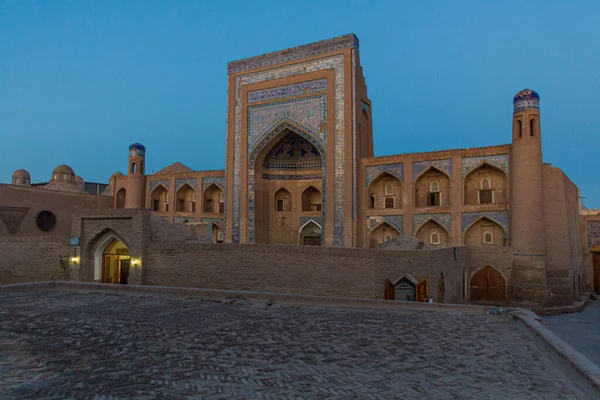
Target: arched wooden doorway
596,267
116,260
310,234
488,284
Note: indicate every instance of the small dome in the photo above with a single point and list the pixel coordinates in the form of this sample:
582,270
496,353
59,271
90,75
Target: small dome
137,149
21,177
118,173
79,180
525,99
63,173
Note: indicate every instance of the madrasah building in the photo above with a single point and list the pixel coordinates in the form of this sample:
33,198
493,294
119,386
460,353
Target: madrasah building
300,170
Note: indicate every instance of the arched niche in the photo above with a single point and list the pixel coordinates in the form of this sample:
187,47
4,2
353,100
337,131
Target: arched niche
485,184
405,289
283,200
434,234
484,231
120,198
111,258
432,188
310,234
214,199
159,199
291,159
186,198
487,284
382,233
311,199
217,233
385,192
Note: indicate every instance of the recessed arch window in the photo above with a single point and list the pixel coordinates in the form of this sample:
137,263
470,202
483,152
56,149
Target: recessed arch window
532,127
435,238
488,238
55,176
434,186
486,184
520,128
133,168
389,189
387,238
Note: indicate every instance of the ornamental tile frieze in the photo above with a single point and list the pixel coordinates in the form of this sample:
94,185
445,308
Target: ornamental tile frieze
164,182
593,233
445,220
498,160
421,166
501,217
310,114
282,92
190,181
374,171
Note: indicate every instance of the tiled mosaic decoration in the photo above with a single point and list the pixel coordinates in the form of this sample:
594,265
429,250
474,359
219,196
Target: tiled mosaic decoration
500,217
593,233
374,171
180,182
286,177
445,220
526,99
310,114
443,165
282,92
295,53
295,153
337,64
207,181
354,142
153,184
393,220
498,160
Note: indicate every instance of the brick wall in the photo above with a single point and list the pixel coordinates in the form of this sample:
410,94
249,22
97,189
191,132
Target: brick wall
296,269
33,259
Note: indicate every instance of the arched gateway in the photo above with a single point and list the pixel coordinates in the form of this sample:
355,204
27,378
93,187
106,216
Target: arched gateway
112,261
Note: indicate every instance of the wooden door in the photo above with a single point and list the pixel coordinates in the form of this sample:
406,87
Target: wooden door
488,284
422,290
441,289
389,293
312,240
596,261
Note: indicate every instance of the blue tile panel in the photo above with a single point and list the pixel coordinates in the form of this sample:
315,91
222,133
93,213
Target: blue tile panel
393,220
593,233
526,99
153,184
443,165
500,217
190,181
220,222
497,160
206,182
309,114
282,92
336,63
374,171
285,177
445,220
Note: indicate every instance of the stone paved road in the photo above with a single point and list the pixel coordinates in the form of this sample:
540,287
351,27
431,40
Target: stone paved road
60,344
580,330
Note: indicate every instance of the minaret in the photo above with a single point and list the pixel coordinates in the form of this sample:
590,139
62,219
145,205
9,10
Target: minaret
136,177
527,233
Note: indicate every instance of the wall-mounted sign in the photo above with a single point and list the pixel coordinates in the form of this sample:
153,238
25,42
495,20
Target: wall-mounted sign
74,241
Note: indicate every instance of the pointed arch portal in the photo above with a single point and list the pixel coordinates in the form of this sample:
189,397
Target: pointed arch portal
112,260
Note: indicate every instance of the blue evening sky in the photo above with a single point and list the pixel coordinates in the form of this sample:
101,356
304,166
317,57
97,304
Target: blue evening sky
81,80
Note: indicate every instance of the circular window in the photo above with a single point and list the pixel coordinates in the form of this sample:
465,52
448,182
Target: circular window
46,221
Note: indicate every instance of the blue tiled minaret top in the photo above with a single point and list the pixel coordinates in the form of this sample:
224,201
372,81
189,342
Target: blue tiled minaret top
525,99
137,149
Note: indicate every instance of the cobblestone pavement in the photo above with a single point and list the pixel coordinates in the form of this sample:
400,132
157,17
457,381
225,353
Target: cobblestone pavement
580,330
65,344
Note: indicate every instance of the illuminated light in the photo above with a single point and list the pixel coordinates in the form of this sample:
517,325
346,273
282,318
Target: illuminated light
135,262
74,259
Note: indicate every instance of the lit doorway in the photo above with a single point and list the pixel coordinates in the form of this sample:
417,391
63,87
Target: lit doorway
116,260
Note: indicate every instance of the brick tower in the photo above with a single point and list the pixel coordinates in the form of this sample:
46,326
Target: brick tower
136,177
527,233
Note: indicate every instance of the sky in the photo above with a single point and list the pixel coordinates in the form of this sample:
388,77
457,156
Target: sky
82,80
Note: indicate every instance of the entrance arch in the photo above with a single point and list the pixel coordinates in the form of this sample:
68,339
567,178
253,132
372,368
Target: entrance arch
595,250
489,284
310,234
112,260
